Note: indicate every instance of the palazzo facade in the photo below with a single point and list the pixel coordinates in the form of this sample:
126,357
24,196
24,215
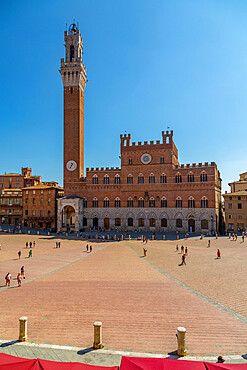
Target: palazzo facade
150,191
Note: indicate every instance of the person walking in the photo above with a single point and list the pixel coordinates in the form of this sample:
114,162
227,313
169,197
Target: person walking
8,279
91,248
19,254
34,244
87,247
22,272
208,243
26,244
177,248
186,251
30,244
30,254
182,249
183,260
144,252
59,244
218,253
19,279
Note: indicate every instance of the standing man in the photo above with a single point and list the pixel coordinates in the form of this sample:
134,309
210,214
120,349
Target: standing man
19,254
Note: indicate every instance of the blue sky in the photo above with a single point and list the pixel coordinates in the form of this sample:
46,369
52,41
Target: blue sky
150,64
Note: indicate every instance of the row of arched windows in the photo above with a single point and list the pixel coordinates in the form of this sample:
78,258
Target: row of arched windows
151,202
151,179
152,222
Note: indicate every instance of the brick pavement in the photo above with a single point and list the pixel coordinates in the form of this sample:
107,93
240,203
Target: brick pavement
140,308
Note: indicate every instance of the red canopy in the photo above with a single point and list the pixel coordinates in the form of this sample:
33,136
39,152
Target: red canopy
139,363
8,362
225,366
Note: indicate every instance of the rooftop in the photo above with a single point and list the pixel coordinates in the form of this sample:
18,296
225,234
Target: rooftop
239,192
42,186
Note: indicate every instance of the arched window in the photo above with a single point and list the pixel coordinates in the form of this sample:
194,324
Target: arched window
106,180
130,179
178,178
163,202
117,221
106,202
141,222
191,202
95,179
204,177
117,179
152,202
130,221
163,179
117,203
151,179
152,222
84,203
204,224
140,202
72,52
141,179
204,202
179,222
179,202
164,222
130,202
95,202
190,177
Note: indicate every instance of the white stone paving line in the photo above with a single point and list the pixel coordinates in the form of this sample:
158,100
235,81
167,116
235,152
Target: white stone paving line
122,353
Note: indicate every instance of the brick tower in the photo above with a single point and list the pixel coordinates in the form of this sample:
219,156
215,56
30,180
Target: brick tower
73,74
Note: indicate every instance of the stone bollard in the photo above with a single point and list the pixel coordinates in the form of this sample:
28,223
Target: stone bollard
114,237
66,234
164,237
48,233
97,344
19,231
181,351
177,237
152,237
37,232
122,238
230,235
23,329
129,237
28,232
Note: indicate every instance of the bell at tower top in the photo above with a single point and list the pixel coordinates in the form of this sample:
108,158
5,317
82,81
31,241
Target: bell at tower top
73,28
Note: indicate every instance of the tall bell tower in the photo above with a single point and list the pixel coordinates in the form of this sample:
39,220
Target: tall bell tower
73,72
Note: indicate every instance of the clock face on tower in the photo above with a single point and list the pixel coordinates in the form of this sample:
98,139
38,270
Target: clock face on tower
146,158
71,165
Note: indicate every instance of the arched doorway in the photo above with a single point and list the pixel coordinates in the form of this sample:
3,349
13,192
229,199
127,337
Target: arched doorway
106,223
191,225
95,222
69,217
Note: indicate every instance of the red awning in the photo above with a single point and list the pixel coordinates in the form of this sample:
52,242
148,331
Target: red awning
8,362
139,363
226,366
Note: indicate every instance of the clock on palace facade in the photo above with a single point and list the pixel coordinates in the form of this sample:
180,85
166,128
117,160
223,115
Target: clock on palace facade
146,158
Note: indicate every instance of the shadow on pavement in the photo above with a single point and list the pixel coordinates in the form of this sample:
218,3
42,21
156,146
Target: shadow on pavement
7,344
85,351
